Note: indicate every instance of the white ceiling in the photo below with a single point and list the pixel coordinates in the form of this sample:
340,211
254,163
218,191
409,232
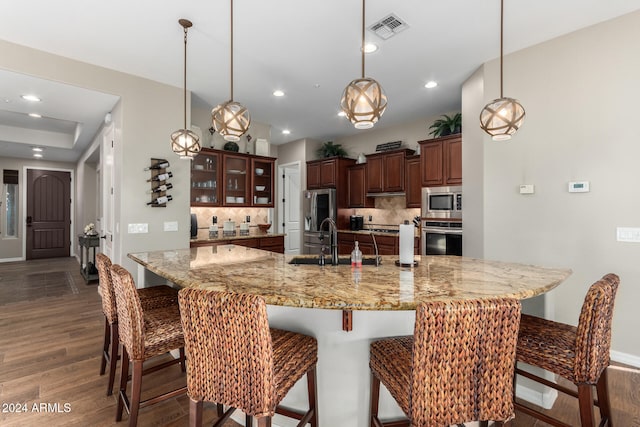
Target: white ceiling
309,49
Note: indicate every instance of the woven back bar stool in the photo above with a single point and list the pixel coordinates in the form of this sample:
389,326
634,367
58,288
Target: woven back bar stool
457,367
144,334
150,298
235,359
579,354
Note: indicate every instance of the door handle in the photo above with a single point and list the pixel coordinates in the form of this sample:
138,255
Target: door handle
103,237
29,221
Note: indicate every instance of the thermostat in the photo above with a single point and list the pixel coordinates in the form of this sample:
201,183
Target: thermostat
579,187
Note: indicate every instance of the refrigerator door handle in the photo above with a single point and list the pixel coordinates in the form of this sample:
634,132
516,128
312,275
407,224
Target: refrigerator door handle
314,211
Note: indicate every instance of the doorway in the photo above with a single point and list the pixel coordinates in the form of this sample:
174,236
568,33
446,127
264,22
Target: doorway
289,207
48,219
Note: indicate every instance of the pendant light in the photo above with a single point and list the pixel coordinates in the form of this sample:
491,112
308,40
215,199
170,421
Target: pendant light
231,119
502,117
184,142
363,100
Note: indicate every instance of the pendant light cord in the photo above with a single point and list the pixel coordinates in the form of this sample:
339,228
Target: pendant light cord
185,78
362,47
231,99
501,42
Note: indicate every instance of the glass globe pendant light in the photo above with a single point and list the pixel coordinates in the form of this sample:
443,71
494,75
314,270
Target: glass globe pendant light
502,117
363,100
184,142
231,119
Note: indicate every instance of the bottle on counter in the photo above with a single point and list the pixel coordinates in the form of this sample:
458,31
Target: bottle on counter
356,256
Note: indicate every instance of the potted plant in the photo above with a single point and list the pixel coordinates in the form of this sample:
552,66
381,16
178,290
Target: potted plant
446,125
329,149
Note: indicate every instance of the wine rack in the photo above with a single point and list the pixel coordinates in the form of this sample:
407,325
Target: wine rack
159,182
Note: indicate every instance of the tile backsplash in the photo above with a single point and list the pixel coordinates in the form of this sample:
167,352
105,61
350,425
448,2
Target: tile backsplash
388,211
204,215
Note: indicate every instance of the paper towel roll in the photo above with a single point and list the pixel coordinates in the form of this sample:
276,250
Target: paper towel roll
406,243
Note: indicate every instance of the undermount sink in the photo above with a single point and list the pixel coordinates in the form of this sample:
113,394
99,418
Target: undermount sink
327,260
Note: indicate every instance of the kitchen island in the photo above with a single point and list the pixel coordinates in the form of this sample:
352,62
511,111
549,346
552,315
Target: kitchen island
310,299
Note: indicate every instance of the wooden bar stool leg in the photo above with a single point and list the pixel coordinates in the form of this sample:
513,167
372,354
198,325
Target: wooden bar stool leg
602,389
195,413
124,376
183,359
105,346
375,397
248,421
313,395
264,422
113,355
585,401
136,388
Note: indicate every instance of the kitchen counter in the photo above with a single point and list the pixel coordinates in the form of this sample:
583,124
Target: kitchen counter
313,300
394,233
386,287
254,232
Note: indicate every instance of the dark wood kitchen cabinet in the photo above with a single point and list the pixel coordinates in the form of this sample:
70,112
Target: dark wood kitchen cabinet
356,179
386,171
441,160
327,173
413,187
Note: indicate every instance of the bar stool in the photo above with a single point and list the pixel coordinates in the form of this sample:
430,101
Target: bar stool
579,354
235,359
457,366
144,334
155,297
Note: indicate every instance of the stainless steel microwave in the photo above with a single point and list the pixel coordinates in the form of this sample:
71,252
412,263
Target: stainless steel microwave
442,202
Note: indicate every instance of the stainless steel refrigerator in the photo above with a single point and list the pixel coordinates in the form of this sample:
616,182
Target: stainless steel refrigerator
317,205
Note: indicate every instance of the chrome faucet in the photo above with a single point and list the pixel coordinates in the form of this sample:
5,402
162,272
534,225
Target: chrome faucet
375,245
333,229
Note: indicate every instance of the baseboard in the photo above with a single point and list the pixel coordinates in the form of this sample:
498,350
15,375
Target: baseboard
625,358
11,259
543,399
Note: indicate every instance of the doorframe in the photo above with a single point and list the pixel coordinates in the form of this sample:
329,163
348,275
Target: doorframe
72,212
279,217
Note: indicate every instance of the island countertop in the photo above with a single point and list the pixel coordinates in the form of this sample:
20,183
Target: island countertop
386,287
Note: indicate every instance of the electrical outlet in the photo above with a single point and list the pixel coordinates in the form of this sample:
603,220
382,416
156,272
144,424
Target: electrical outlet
370,218
248,219
171,226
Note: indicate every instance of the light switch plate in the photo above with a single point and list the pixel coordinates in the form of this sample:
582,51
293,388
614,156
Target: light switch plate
527,188
171,226
137,228
628,234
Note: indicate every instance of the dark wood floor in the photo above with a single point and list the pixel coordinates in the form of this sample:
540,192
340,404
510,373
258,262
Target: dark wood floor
51,327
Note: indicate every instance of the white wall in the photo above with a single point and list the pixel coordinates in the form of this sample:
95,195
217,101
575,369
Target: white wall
580,92
147,114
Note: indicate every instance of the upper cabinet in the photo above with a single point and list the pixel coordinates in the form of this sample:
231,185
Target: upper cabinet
327,173
441,161
205,179
221,178
386,171
356,178
413,187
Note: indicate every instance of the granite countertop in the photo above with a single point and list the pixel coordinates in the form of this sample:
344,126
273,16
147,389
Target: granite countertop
386,287
254,232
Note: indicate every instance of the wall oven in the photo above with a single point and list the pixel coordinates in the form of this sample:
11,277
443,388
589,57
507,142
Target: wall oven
442,202
441,237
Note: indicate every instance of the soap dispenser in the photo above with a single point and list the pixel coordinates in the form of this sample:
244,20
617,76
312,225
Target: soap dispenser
356,256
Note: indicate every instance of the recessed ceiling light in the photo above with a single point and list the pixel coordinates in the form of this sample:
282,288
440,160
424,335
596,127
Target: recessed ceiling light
38,155
32,98
286,132
342,114
36,149
35,115
431,84
370,48
278,93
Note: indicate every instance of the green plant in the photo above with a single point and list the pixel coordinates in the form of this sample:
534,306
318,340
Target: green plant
329,149
446,125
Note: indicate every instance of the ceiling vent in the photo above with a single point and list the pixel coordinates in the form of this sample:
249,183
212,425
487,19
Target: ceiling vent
388,26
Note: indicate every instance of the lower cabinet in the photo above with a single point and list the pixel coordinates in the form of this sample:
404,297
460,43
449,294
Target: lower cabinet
387,245
271,243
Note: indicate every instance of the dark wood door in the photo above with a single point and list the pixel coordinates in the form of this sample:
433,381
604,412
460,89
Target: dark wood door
453,162
356,178
313,176
431,159
328,173
375,174
48,214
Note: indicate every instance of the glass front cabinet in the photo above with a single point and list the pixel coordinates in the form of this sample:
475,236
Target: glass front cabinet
205,178
221,178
